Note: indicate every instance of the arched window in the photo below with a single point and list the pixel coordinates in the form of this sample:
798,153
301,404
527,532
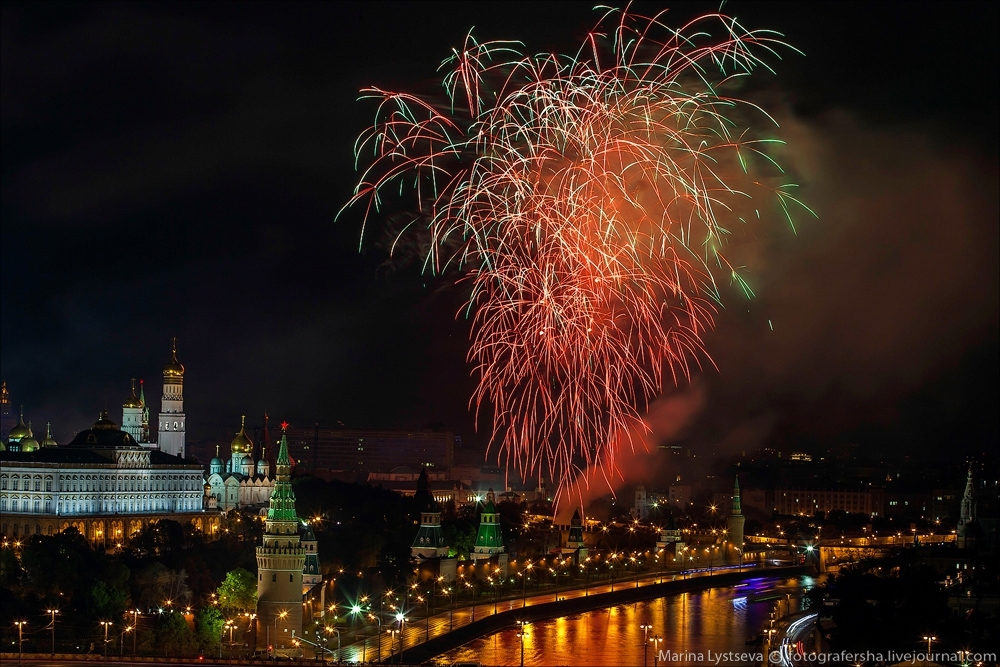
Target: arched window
274,577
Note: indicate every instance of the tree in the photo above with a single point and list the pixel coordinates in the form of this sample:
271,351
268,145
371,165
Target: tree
173,635
10,568
155,585
208,626
238,593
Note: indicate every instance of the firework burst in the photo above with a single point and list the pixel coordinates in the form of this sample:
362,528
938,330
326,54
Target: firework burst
587,201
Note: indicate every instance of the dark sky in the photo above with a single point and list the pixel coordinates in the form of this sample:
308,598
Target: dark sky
175,170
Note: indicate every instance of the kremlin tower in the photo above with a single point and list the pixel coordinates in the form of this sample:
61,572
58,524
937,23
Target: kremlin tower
734,523
280,562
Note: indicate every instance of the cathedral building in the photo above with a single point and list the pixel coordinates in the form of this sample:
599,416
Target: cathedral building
240,481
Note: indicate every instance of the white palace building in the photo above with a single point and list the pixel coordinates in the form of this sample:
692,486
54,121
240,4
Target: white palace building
109,482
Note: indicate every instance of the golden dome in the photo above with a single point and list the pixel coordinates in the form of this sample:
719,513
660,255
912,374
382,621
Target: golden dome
104,423
29,444
48,440
20,430
133,400
241,444
174,369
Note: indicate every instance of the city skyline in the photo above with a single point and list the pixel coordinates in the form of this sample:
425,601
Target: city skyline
162,203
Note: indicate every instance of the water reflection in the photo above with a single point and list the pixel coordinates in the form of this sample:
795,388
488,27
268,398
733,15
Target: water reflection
719,619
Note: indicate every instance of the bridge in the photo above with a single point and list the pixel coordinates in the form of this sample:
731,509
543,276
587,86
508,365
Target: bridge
416,640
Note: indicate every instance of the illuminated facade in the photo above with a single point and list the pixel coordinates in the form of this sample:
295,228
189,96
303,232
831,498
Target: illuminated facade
240,481
172,426
807,502
280,564
103,483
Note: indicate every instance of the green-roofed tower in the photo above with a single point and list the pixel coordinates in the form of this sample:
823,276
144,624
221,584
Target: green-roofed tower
489,541
280,562
429,542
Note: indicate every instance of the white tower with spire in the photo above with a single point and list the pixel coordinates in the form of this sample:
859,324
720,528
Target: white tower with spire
172,428
132,415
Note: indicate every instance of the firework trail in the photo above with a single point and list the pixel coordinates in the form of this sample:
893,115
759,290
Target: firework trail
585,200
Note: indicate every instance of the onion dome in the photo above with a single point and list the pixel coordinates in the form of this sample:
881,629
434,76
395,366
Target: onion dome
48,440
29,444
242,444
133,400
104,423
216,465
20,430
174,369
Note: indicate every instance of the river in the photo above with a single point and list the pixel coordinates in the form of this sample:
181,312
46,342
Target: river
690,625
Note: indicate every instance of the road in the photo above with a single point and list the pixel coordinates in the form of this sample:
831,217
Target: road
421,629
793,638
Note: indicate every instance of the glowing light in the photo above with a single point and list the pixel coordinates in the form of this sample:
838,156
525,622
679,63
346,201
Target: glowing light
587,200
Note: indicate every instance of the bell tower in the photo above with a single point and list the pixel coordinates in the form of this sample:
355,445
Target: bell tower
172,429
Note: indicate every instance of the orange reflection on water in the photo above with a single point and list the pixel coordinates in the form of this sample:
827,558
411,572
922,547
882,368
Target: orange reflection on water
690,623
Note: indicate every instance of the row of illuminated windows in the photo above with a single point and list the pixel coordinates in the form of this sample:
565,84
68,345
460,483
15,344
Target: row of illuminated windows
101,483
90,506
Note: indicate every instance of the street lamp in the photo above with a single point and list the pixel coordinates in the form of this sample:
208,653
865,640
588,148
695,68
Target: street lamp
53,612
253,626
281,616
135,624
328,631
524,575
451,609
522,632
400,618
645,640
121,642
373,617
106,624
427,618
231,625
392,643
929,639
657,640
20,625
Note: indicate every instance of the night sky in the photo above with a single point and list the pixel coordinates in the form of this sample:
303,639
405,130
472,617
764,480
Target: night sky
174,170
